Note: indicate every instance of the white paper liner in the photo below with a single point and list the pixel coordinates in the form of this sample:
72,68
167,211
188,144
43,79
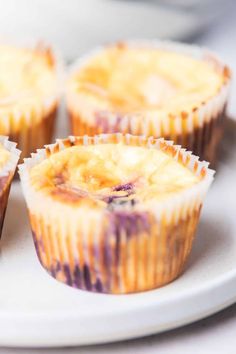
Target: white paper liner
11,163
160,126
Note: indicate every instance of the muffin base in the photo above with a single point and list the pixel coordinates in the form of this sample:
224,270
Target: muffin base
116,251
135,253
34,136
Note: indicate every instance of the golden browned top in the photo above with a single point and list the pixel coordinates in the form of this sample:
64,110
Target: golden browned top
27,77
103,174
135,79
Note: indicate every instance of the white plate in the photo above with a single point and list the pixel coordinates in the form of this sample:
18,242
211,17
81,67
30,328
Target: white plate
36,310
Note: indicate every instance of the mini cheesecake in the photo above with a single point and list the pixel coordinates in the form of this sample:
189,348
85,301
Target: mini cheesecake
9,157
168,90
28,95
114,213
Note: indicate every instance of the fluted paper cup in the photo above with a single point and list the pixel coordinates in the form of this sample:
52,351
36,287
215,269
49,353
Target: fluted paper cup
130,249
6,175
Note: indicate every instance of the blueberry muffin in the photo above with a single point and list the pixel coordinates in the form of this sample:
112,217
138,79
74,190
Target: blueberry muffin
114,213
158,89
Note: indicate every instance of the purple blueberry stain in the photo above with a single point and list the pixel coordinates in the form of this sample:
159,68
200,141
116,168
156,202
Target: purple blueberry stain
113,201
118,121
39,247
87,279
66,270
123,187
106,124
107,257
98,286
121,221
102,122
132,223
117,247
55,268
77,276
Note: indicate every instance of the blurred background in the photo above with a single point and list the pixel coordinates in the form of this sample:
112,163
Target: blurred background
76,26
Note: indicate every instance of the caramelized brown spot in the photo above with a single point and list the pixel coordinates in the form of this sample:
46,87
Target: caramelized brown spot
226,72
48,152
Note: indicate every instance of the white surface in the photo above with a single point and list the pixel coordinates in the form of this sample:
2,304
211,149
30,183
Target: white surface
213,335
